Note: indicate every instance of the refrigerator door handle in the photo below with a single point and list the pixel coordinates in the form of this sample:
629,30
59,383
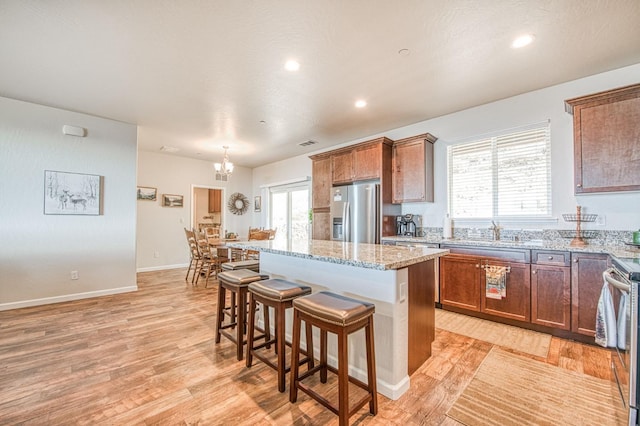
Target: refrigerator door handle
346,231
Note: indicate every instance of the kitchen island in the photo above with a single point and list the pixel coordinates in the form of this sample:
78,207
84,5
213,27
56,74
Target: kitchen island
398,280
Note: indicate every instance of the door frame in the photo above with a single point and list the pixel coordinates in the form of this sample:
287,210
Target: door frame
223,213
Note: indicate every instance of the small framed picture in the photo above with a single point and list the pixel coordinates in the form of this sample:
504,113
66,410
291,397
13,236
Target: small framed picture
257,203
67,193
147,193
169,200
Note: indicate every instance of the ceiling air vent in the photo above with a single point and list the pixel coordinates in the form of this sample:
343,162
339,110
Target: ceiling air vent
166,148
307,143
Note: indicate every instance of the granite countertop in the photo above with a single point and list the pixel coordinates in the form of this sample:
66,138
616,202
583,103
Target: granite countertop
620,251
371,256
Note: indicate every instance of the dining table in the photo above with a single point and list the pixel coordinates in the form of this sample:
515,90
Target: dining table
232,253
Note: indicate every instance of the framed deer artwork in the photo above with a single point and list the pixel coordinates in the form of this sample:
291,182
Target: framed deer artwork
67,193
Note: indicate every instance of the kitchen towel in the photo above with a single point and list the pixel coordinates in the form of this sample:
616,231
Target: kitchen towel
496,281
606,333
623,320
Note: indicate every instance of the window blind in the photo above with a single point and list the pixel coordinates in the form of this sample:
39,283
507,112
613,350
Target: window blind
503,176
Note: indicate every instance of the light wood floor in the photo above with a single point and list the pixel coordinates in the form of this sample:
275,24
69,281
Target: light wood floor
149,358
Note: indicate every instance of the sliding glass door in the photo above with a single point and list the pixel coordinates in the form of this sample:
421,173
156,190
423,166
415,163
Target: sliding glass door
289,211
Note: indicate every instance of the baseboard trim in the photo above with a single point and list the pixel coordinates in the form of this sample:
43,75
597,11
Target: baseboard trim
65,298
162,267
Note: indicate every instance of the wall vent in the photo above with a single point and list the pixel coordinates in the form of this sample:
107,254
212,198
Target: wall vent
307,143
166,148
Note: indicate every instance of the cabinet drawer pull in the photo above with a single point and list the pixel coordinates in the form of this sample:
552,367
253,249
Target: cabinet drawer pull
550,257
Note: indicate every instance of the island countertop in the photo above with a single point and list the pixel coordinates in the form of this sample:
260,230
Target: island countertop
370,256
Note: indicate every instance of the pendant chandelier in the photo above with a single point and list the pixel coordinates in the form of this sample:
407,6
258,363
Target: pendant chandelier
224,169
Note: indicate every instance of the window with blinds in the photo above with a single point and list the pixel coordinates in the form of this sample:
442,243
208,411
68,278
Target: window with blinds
501,177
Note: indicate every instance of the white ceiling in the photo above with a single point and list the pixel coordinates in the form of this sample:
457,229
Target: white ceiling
198,75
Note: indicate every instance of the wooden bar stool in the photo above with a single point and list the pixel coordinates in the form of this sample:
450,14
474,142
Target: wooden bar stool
252,265
279,295
342,316
237,283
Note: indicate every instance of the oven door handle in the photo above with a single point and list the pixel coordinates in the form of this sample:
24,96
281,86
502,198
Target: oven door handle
620,285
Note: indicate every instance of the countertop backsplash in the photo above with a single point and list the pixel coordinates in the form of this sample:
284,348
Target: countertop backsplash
600,237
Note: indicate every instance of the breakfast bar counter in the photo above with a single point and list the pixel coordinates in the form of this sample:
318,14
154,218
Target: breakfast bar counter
400,281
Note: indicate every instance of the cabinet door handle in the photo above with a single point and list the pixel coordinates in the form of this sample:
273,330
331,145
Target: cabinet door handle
534,272
579,185
477,266
575,260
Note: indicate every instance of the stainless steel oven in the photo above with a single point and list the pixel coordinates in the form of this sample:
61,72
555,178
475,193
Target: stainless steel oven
623,280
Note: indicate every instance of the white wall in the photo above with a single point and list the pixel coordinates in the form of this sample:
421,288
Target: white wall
161,229
620,209
39,251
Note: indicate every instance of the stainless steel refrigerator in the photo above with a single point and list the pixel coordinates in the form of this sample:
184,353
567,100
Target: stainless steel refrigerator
355,213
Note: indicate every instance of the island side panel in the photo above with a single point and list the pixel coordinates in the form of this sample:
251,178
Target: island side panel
421,313
376,286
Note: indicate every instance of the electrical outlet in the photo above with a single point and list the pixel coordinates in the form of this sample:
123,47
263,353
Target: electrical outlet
600,220
475,233
74,275
156,254
403,292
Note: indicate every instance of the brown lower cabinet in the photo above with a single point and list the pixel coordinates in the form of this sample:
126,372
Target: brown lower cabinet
421,312
551,296
586,285
321,229
462,282
554,289
517,303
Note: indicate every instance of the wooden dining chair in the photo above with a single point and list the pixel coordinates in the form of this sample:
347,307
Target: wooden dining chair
211,259
253,232
193,254
256,234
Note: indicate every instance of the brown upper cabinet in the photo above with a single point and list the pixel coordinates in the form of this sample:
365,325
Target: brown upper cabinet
412,179
215,201
342,167
359,162
321,184
606,132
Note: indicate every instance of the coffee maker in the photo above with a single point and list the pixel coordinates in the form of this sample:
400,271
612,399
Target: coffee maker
408,224
401,226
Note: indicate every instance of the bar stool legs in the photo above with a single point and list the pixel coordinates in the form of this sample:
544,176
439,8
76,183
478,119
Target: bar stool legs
237,283
341,316
279,295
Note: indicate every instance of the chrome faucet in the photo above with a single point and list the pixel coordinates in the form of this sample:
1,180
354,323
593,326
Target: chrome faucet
496,231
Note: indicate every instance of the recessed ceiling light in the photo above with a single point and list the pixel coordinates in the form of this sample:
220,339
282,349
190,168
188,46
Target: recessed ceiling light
522,41
292,65
263,122
361,103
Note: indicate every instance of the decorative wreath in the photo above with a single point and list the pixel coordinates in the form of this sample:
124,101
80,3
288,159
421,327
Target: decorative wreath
238,203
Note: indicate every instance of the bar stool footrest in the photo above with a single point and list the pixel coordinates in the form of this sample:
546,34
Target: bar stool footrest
355,407
233,338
